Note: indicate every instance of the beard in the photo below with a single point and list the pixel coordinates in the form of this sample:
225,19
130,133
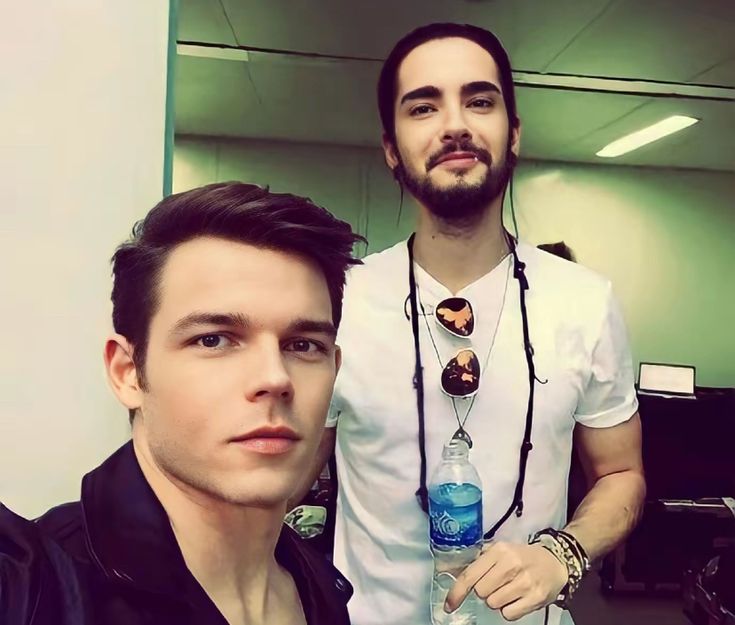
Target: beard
462,202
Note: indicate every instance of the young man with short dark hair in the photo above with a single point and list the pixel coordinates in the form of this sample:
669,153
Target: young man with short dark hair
226,303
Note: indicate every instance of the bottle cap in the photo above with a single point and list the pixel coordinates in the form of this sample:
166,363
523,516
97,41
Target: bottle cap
456,448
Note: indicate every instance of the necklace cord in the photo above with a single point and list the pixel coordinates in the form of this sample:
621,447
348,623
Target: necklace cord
526,447
418,383
422,494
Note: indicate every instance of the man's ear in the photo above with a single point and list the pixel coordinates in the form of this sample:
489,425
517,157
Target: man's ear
515,139
121,372
337,358
391,154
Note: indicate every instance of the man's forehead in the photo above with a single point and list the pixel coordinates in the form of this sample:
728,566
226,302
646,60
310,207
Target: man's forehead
207,261
213,257
209,272
450,61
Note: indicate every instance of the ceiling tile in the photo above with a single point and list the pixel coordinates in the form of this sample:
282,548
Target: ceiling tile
203,21
654,40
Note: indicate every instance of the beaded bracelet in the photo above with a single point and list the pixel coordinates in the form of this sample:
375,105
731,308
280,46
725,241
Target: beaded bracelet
567,549
573,544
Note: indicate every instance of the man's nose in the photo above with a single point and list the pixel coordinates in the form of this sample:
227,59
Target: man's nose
455,129
267,375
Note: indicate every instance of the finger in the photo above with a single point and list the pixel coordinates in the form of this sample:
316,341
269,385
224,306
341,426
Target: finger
507,567
468,578
495,579
518,609
505,595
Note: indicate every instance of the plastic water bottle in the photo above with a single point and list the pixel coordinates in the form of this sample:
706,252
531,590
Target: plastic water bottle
455,529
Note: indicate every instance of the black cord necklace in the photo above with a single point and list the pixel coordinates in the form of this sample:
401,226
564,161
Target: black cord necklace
422,494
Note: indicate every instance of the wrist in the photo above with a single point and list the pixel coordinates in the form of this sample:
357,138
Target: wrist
561,578
570,554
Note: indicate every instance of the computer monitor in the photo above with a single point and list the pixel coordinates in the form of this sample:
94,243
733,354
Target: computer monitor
654,377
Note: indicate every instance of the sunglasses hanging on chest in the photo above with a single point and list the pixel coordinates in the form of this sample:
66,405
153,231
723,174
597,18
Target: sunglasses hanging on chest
461,375
456,316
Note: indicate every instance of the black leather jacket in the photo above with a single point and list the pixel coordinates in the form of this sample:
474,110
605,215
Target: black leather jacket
112,559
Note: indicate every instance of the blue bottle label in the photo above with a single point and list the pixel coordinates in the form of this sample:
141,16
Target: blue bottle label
455,515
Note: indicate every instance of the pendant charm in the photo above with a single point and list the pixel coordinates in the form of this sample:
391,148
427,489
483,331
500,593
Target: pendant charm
462,435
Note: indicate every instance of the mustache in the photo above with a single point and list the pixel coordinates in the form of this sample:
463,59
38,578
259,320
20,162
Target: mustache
459,146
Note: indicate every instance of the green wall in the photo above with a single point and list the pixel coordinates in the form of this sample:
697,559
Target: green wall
666,238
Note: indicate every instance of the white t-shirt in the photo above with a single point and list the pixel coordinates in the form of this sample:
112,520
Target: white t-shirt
580,346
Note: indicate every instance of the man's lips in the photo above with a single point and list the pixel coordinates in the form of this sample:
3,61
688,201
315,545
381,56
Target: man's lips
268,440
463,158
278,431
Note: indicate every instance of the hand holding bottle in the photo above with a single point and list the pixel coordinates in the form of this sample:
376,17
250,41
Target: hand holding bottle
515,579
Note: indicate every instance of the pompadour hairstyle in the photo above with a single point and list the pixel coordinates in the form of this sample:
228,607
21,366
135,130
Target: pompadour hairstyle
234,211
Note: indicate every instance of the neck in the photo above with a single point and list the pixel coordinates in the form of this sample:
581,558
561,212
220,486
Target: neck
457,254
229,549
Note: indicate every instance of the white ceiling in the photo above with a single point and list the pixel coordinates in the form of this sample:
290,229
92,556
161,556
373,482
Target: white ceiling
332,100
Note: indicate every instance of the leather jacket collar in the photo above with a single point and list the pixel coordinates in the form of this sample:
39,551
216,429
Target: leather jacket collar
129,534
129,537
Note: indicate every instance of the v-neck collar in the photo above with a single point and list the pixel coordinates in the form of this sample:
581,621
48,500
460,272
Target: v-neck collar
433,290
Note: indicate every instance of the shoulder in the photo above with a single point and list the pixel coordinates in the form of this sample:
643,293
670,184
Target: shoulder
20,542
376,268
13,526
38,563
569,289
64,525
375,288
21,567
30,552
560,274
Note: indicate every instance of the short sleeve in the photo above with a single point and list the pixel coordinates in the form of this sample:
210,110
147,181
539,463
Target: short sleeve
609,397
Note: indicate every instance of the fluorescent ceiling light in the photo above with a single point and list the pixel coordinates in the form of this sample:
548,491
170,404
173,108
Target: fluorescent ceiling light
212,52
647,135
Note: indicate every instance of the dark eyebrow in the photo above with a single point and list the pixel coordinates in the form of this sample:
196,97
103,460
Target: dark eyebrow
479,86
421,93
237,320
470,89
232,320
310,325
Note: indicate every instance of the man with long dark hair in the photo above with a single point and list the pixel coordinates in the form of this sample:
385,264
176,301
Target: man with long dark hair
463,295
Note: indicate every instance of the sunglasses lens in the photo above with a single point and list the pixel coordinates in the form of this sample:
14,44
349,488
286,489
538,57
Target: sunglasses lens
461,375
456,316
